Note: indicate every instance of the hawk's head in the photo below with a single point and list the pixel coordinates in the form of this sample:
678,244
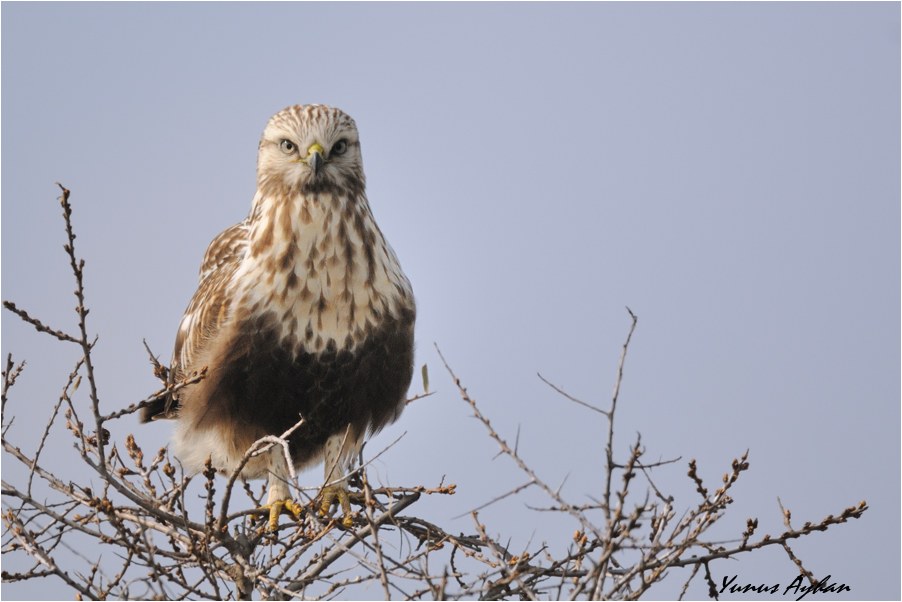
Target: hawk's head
310,149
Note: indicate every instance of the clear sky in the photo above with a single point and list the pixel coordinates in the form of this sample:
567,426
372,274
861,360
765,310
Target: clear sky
731,172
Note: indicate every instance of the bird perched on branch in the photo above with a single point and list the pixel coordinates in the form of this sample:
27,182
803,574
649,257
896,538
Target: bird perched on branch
303,314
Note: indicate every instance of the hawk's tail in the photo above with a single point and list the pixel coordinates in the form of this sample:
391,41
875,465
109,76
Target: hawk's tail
165,408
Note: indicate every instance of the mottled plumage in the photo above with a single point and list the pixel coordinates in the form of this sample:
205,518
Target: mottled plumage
302,311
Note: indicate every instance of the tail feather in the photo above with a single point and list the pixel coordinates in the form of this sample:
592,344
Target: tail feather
165,408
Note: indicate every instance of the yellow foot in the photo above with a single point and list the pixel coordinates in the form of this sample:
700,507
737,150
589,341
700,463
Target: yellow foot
337,493
288,506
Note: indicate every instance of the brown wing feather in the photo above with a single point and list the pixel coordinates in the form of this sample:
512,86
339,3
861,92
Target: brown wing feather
205,314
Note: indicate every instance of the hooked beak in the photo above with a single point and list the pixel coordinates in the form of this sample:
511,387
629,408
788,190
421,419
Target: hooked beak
314,158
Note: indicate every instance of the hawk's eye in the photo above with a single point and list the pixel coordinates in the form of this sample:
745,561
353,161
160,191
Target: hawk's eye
340,147
287,146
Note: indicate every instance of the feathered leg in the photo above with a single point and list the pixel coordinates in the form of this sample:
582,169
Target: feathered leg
279,499
338,451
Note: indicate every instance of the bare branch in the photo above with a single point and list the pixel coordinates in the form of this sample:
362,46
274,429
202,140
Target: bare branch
38,325
124,525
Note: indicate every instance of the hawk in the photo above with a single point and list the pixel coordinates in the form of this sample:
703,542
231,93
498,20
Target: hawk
302,312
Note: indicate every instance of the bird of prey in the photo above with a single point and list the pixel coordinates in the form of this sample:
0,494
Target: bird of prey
302,313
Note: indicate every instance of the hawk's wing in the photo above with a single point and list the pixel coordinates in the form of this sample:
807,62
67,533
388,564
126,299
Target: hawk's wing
206,313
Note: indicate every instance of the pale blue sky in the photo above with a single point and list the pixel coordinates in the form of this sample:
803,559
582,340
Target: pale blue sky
731,172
